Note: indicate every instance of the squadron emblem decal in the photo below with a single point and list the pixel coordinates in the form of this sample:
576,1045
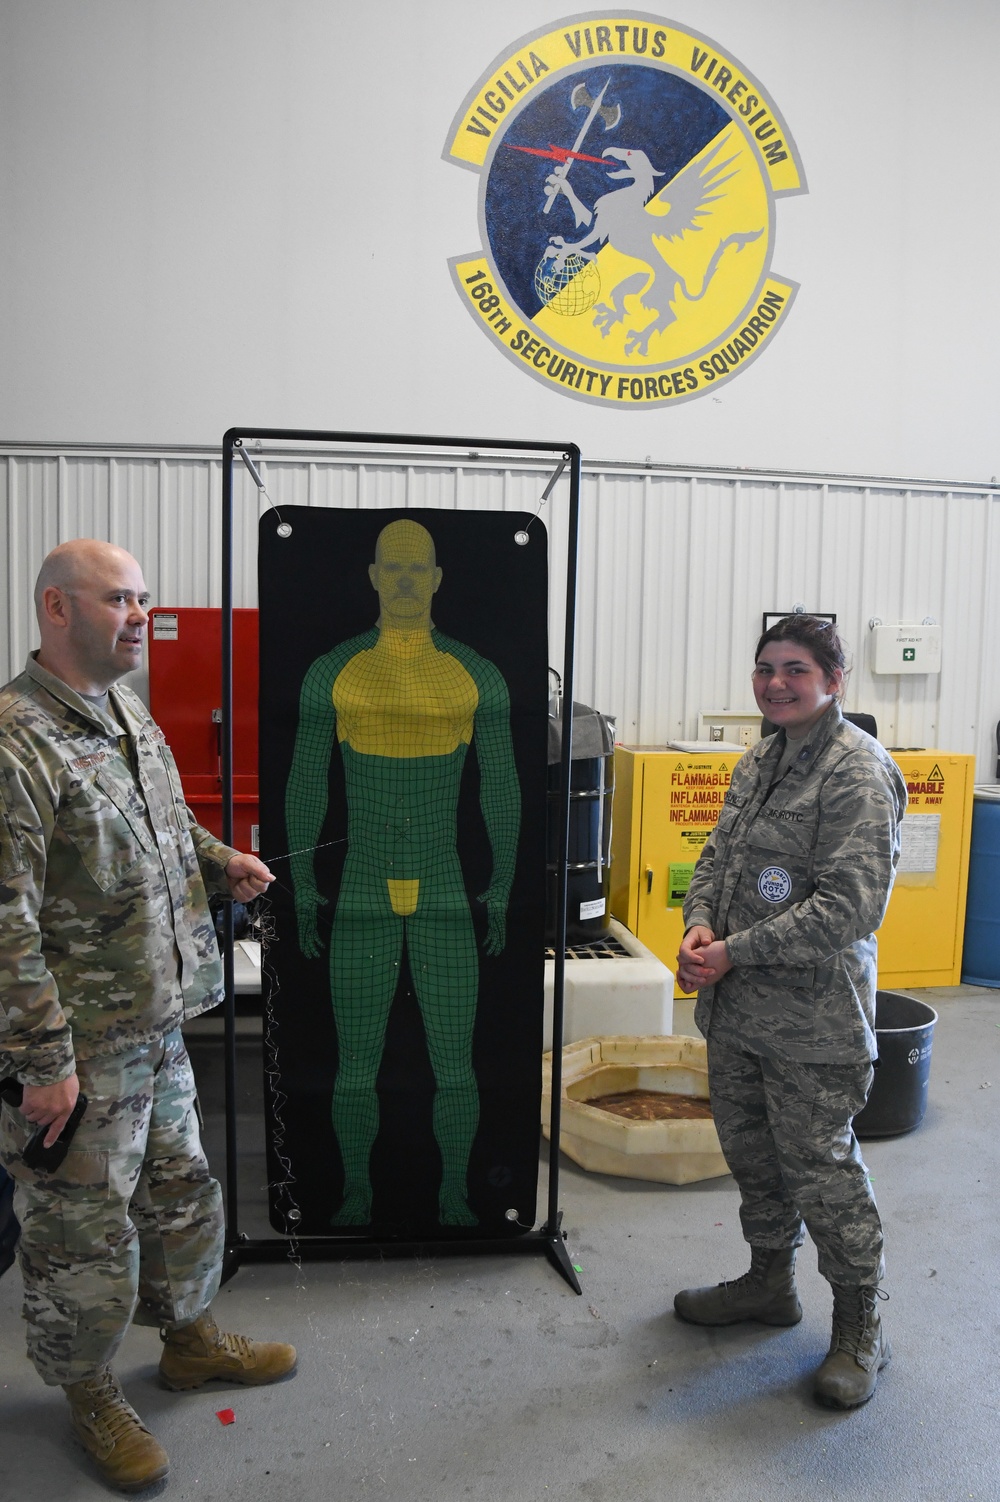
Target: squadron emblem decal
628,169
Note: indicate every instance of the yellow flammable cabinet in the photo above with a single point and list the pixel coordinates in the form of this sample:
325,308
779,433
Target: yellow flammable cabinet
666,806
920,942
667,803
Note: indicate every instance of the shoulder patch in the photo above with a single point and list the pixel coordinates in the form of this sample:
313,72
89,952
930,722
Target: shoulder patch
774,884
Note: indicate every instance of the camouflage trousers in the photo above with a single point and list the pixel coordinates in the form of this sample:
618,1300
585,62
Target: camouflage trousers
130,1225
785,1129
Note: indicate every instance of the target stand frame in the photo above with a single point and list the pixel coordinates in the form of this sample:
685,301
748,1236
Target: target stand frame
549,1239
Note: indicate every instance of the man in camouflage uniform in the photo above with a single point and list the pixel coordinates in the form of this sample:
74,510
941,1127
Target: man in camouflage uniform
780,920
106,946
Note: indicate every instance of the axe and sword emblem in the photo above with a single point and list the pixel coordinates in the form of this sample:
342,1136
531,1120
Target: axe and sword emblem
579,99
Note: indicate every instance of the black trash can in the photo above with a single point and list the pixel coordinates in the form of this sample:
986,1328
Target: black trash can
904,1029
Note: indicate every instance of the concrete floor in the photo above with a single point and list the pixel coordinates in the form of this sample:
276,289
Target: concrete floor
489,1379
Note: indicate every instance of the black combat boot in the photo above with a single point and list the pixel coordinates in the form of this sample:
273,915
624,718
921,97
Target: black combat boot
858,1349
765,1293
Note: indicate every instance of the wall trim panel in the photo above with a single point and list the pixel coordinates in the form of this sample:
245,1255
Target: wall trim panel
676,564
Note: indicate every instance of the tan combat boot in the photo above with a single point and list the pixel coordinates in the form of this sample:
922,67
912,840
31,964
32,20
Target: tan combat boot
113,1435
765,1293
858,1350
195,1353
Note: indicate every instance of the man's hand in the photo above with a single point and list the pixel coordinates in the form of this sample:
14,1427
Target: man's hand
307,905
247,877
50,1105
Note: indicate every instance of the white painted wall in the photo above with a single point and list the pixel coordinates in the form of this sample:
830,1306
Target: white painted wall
221,212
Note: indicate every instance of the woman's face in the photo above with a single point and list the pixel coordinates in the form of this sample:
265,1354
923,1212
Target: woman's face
791,689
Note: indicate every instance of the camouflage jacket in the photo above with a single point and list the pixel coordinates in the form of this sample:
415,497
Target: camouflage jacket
106,940
796,878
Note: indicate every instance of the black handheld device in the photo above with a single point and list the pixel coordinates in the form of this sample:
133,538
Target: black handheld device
36,1155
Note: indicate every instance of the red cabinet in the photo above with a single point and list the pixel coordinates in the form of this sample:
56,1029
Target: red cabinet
185,697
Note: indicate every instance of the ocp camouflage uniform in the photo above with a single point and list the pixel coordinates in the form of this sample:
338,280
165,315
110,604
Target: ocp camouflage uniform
796,877
106,946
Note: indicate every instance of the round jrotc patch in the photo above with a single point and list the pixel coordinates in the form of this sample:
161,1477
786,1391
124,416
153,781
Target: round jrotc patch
628,175
774,884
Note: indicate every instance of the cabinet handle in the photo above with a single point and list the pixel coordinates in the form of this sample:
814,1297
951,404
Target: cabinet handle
649,880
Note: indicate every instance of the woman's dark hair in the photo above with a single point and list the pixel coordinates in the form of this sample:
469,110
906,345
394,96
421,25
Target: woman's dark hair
820,638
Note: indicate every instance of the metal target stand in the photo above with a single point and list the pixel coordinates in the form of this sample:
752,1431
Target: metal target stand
549,1239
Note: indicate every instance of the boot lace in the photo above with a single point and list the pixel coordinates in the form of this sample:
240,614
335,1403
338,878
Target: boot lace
237,1346
205,1333
108,1409
748,1282
753,1280
854,1319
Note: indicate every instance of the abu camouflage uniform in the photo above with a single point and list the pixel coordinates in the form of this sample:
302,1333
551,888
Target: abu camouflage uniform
796,877
106,946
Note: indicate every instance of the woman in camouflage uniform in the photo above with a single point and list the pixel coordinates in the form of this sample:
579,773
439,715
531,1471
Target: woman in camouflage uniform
780,945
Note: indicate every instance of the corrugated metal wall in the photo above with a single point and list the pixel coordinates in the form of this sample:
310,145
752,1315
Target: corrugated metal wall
675,568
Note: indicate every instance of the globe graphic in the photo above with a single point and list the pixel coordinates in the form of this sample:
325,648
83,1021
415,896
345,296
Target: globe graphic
569,289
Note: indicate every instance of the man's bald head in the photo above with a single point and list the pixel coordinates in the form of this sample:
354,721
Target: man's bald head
407,540
70,565
91,601
405,574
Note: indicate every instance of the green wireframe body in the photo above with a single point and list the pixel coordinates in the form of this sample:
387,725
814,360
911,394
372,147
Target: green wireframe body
404,706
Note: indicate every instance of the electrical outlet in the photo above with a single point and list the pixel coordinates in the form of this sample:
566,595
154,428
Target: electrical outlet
715,733
745,735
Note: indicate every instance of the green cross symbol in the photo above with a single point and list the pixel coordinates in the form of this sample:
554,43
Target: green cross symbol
909,654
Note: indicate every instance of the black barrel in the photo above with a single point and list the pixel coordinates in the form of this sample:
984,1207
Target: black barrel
592,786
904,1030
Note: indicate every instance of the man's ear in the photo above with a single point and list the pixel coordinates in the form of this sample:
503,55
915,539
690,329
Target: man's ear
372,569
438,576
54,606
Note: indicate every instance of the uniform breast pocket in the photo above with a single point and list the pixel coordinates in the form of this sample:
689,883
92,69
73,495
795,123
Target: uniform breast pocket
728,814
173,777
105,822
726,823
778,859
